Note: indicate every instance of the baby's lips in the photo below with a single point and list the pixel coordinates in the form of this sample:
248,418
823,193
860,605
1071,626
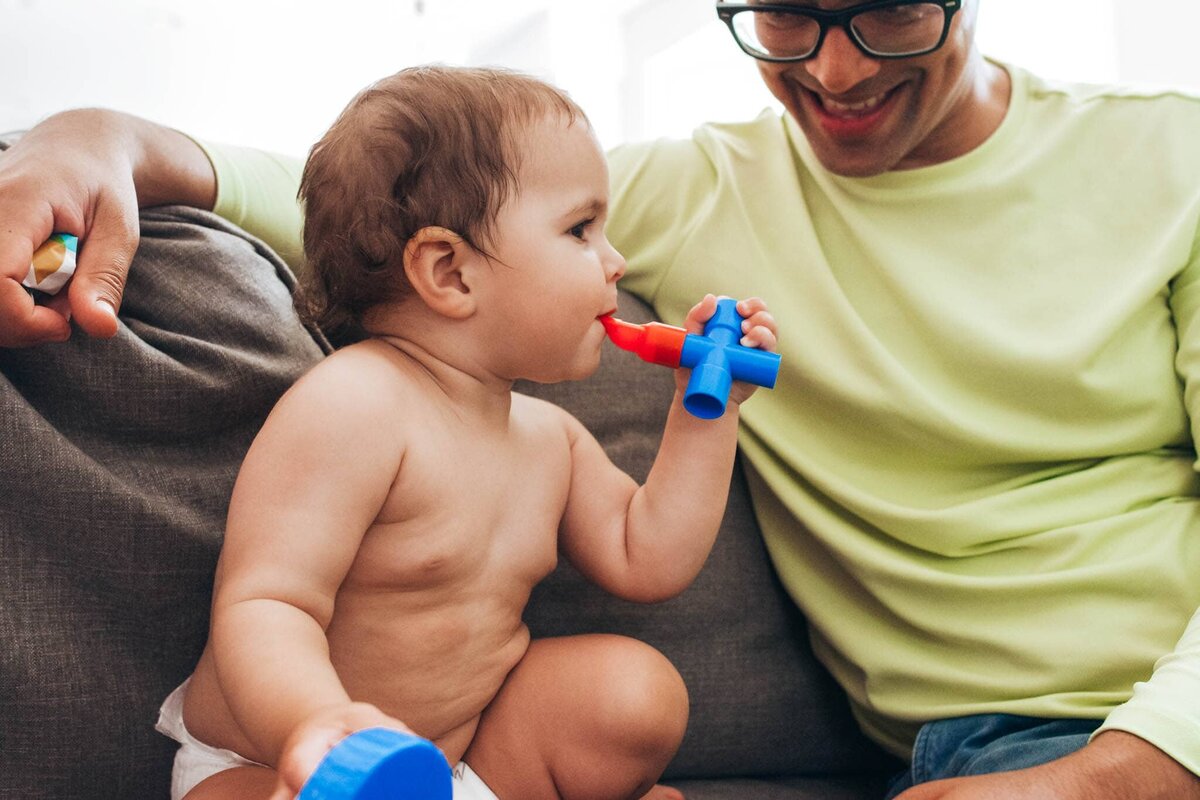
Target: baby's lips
624,335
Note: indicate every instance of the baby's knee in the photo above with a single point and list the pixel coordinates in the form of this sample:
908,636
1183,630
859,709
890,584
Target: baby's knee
646,701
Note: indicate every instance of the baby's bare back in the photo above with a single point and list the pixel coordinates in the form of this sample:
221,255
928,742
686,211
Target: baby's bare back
427,622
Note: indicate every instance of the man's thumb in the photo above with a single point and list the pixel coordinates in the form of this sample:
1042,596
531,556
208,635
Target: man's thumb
99,280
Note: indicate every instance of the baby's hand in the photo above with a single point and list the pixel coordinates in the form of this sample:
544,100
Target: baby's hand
758,330
317,735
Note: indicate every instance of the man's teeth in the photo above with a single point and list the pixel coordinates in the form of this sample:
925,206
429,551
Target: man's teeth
852,108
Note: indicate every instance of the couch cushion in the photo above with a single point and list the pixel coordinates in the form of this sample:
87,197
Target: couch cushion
761,704
857,788
118,458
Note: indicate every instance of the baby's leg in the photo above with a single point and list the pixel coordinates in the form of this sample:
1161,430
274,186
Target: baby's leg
238,783
582,718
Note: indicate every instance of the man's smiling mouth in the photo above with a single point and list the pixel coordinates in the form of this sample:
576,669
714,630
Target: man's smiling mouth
852,109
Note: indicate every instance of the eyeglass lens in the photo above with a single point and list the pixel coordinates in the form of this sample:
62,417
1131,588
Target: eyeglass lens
889,31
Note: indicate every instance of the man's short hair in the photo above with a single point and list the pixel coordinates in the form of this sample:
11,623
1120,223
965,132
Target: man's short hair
428,146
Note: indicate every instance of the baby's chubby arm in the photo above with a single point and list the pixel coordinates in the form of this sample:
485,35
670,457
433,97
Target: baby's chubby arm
648,543
311,485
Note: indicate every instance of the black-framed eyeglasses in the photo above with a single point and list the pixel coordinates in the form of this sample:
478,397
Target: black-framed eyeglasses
784,32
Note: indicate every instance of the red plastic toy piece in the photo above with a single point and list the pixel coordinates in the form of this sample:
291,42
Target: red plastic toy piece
655,342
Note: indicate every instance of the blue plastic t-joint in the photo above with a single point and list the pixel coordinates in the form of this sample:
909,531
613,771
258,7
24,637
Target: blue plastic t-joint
381,764
717,360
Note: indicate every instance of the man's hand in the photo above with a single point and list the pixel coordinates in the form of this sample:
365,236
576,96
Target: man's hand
83,173
1115,766
71,174
317,735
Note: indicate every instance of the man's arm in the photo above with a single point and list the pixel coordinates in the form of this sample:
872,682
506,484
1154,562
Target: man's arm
1114,766
86,173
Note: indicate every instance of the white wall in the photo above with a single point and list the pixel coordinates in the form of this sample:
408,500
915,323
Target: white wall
274,73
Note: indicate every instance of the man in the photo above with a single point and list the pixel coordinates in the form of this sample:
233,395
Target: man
975,476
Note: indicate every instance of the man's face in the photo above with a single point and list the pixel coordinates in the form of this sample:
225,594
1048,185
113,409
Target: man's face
866,116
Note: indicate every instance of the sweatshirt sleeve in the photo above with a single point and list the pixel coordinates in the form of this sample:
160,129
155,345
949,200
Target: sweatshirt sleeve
256,191
1165,710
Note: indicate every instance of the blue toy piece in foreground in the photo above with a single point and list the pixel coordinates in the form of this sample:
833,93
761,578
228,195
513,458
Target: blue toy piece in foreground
715,358
381,764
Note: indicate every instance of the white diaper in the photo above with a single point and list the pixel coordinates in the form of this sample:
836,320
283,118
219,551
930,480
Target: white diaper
469,786
196,760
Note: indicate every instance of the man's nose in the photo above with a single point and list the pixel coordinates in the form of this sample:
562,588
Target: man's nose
840,66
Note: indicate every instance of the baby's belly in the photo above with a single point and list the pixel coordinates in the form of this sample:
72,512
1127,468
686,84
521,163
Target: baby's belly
435,671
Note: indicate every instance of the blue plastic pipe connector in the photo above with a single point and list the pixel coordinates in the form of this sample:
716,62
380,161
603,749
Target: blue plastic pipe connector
380,764
717,360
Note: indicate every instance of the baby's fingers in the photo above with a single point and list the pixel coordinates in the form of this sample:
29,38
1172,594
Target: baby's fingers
282,792
760,337
700,313
751,306
759,331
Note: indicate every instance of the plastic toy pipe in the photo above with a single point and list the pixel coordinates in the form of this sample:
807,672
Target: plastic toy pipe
53,263
380,764
715,358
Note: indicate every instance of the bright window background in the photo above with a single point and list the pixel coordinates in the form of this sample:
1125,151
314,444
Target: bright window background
274,73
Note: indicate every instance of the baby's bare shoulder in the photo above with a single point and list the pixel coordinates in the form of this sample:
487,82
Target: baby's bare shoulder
355,395
367,376
542,416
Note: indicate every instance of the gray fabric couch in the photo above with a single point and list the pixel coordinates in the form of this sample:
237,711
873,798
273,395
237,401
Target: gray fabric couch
117,458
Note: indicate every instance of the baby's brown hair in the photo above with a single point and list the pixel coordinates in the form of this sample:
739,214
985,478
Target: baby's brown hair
428,146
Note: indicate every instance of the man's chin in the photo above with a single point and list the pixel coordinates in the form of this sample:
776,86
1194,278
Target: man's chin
860,161
852,147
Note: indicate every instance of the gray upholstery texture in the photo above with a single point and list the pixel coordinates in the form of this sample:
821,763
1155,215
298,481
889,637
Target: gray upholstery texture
117,458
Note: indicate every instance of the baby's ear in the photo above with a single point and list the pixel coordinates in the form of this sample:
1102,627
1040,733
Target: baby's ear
437,263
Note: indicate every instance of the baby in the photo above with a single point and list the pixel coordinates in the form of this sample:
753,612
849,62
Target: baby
401,502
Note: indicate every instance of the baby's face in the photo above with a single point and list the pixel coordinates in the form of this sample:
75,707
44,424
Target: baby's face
558,273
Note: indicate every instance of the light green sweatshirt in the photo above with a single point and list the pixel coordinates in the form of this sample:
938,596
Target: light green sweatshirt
976,475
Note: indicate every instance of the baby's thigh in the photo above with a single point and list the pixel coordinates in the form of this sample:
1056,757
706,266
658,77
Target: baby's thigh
595,716
238,783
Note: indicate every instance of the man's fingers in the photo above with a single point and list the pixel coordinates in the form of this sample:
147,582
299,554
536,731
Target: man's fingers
16,253
60,304
22,323
934,790
103,265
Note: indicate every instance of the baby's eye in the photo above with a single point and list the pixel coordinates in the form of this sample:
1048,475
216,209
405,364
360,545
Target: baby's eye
580,228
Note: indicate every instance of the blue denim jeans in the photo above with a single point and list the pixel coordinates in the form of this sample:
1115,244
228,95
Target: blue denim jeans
986,743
